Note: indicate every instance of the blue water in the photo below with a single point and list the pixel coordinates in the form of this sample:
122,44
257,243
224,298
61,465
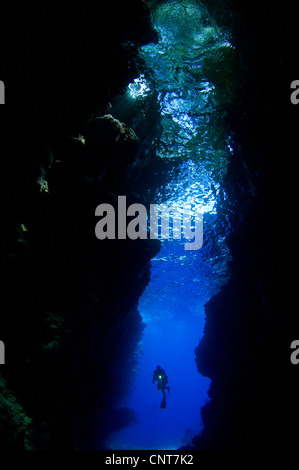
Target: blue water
172,307
170,344
181,282
175,324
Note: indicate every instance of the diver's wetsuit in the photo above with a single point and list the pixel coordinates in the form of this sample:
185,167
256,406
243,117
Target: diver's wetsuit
161,377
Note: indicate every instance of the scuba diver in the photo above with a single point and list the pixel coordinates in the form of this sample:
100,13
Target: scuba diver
161,377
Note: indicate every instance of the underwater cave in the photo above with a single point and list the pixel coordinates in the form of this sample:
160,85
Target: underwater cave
181,104
181,282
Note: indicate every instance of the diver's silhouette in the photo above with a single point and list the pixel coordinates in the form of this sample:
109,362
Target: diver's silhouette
161,377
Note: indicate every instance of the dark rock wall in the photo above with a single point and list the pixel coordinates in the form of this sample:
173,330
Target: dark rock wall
253,320
69,317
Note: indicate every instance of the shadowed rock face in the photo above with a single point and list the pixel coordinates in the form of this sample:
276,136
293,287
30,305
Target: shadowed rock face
252,321
70,322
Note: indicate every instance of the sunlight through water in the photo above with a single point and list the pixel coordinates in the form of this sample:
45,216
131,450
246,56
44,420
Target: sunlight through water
189,69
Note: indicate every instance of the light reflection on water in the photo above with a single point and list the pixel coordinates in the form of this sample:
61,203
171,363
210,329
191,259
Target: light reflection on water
172,305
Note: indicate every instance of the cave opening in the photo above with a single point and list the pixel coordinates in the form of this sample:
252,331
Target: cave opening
187,73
